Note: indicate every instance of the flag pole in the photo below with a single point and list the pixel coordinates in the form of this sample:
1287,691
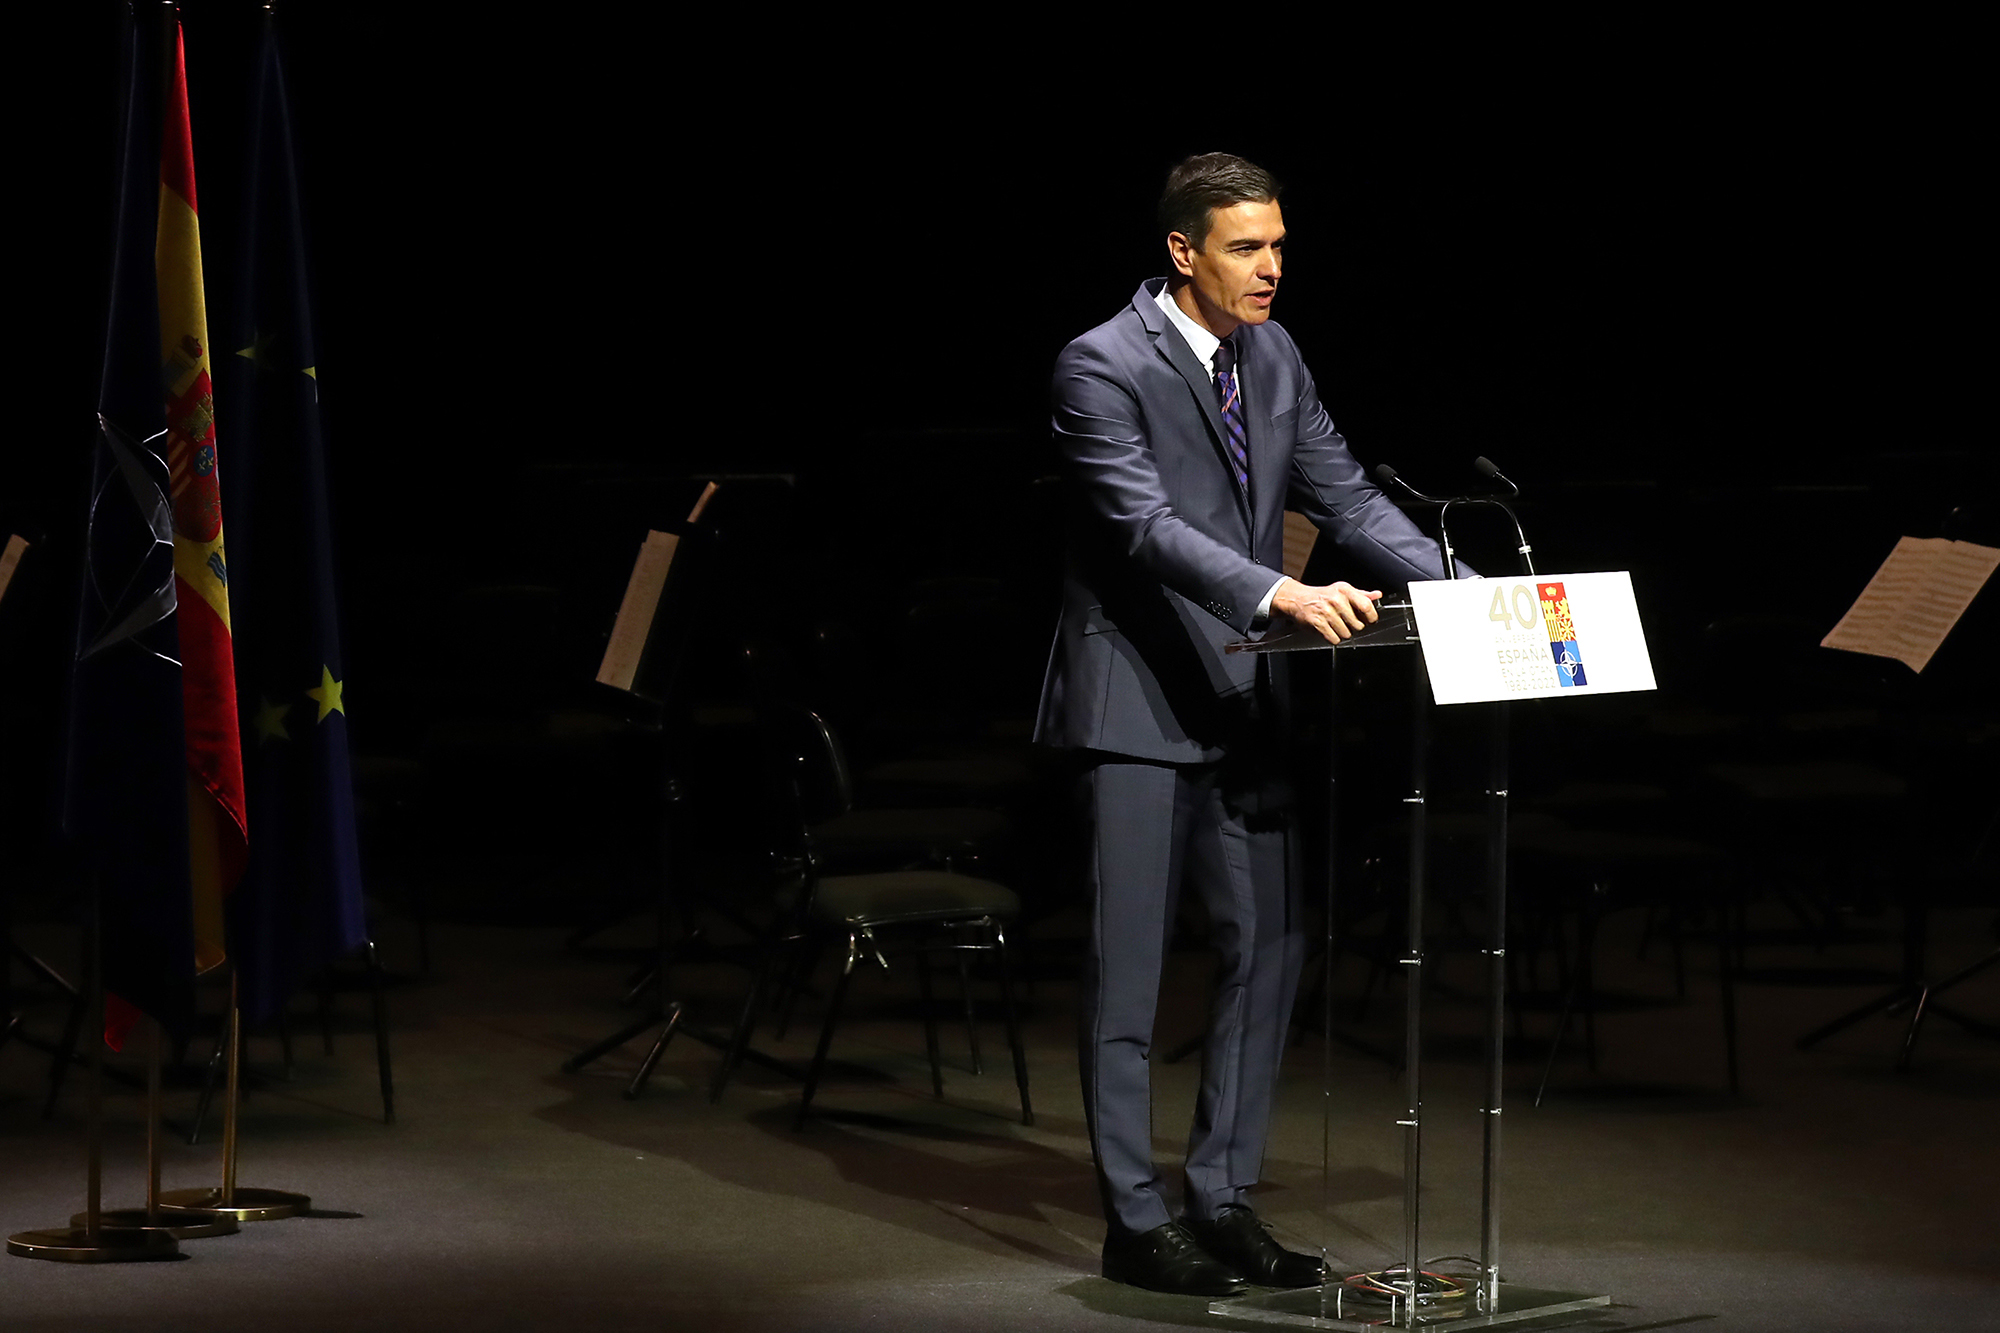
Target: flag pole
230,1200
90,1238
188,1224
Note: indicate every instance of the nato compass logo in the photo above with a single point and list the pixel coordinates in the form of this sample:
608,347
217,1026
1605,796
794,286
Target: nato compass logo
1562,635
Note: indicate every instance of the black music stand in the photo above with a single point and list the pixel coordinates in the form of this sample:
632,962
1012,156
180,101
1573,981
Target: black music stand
667,633
1916,991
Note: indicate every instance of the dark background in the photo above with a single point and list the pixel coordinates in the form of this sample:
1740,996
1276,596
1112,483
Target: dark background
1712,295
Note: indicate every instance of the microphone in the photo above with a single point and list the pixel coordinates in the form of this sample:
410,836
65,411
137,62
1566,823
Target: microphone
1388,477
1487,468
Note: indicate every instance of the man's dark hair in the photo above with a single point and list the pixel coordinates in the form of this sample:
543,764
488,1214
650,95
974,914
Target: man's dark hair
1209,181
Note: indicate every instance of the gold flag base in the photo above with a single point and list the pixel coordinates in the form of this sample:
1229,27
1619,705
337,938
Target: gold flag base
181,1225
110,1245
245,1205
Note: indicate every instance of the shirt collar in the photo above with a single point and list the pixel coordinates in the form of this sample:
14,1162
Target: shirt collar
1198,338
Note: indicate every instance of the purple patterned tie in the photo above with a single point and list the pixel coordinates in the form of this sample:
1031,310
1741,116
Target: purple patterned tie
1228,391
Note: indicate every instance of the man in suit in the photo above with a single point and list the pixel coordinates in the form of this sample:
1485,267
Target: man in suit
1187,424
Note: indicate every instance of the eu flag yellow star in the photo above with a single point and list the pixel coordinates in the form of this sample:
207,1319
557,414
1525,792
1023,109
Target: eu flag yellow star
328,694
270,721
258,353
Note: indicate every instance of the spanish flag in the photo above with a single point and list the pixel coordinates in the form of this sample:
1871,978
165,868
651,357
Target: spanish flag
217,830
154,791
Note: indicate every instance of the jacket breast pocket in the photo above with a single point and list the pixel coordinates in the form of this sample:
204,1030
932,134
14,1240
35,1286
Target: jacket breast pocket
1285,424
1096,622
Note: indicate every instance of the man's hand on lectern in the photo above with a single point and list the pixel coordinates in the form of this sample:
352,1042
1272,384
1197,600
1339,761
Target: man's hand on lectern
1336,610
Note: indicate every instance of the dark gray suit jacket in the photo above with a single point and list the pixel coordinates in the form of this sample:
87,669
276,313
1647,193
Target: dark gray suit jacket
1167,559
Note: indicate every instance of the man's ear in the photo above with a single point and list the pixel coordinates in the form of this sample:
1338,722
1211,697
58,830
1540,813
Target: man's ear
1181,251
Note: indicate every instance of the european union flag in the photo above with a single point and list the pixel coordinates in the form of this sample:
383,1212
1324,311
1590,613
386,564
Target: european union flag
300,903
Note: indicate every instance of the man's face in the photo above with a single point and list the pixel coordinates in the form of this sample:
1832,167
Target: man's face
1234,276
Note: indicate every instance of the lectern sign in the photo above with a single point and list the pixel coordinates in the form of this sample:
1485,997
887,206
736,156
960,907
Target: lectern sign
1531,638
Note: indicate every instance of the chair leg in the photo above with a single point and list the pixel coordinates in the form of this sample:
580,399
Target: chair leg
1727,959
652,1060
732,1055
826,1031
801,965
1680,960
589,1054
929,1002
1575,981
1924,1006
644,980
379,1004
1586,972
971,1022
1013,1024
325,991
1368,983
209,1081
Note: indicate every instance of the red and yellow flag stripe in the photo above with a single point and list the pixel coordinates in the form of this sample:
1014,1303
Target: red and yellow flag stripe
218,838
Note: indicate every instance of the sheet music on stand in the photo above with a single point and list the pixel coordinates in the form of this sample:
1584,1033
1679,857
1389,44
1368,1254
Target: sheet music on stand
648,641
10,558
1914,600
635,613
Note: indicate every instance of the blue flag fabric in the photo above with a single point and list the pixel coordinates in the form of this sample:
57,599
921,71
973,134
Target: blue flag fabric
125,800
299,905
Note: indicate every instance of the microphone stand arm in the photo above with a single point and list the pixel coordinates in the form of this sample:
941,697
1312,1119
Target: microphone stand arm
1521,546
1388,476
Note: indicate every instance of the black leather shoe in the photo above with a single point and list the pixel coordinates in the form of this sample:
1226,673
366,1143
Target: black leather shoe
1167,1259
1238,1239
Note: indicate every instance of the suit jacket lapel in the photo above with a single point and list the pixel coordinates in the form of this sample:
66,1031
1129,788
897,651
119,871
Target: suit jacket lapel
1169,343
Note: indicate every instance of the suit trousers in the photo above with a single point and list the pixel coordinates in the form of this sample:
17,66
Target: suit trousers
1152,829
